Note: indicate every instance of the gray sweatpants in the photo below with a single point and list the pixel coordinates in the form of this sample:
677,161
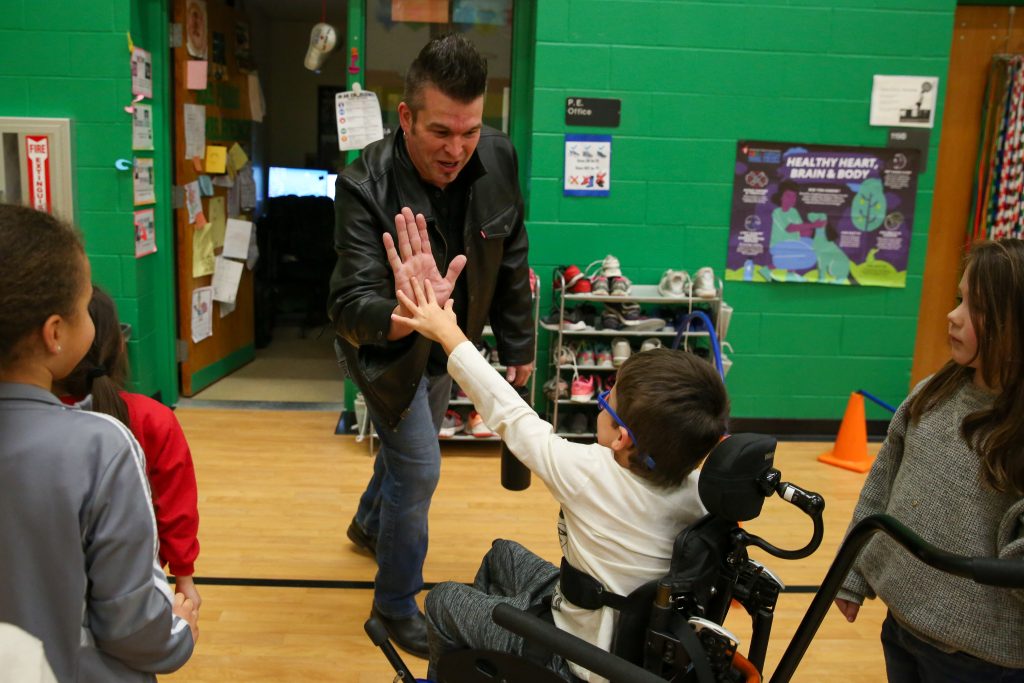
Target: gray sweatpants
459,616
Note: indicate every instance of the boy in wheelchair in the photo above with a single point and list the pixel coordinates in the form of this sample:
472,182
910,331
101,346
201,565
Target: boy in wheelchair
624,499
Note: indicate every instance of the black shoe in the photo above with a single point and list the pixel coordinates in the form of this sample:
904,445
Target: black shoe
410,633
362,540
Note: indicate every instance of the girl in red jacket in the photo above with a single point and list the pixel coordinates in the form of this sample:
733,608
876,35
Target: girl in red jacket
99,378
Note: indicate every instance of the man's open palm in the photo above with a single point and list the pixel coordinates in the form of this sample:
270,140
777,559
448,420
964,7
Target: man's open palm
413,258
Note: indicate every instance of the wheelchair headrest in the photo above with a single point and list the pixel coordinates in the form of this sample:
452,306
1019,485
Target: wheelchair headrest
729,480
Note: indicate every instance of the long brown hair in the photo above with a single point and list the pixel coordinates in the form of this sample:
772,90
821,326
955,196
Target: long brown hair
42,271
995,286
104,369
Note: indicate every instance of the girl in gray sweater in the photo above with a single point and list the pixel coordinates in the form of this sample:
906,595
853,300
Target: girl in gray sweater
76,523
952,469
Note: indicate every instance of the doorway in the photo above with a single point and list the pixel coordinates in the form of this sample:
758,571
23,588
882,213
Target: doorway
291,357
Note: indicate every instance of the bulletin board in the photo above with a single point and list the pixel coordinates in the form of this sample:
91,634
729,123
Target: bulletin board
217,105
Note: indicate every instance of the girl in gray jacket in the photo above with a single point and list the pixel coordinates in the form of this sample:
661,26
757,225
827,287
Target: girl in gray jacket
76,523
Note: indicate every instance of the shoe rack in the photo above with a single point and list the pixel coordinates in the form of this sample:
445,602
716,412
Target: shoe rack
651,301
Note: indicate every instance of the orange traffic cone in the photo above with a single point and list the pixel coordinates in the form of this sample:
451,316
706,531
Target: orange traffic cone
851,448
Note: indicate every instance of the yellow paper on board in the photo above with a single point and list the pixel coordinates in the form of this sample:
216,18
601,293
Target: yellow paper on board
202,252
218,220
237,158
216,159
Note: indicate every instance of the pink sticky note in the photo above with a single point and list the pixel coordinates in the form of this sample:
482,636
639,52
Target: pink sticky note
197,162
200,220
196,76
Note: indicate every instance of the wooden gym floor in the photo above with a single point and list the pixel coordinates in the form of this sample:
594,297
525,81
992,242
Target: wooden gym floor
285,595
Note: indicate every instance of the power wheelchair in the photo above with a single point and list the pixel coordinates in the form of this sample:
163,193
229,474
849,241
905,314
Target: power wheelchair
671,629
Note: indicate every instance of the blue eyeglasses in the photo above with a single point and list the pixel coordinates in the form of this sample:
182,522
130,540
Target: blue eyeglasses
602,402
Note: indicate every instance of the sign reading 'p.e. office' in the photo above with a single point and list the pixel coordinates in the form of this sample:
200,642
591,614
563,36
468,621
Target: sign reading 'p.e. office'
592,111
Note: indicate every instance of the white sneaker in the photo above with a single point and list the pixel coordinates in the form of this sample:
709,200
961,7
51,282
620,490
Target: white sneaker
610,267
704,284
675,283
621,350
652,343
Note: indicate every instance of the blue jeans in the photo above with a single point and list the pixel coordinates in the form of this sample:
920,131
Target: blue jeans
395,504
908,659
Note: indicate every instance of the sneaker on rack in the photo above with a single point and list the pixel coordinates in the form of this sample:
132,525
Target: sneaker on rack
569,274
652,343
675,284
619,286
573,319
556,388
451,425
633,319
599,285
610,318
603,356
610,267
585,355
609,381
704,283
582,389
477,427
567,355
621,350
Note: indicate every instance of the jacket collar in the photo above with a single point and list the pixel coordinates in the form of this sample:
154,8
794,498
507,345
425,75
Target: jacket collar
12,391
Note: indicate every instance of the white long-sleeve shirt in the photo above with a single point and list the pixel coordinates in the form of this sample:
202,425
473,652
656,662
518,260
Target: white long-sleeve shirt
614,525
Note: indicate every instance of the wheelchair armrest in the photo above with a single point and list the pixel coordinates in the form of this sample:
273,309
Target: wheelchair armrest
570,647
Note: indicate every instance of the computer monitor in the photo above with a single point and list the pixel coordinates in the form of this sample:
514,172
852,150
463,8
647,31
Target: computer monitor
302,182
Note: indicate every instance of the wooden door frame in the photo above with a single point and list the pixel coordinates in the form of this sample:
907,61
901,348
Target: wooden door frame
979,33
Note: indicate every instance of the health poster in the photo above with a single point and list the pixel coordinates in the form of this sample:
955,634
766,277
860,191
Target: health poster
820,213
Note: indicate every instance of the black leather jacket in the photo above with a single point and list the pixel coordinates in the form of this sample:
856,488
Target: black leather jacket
369,193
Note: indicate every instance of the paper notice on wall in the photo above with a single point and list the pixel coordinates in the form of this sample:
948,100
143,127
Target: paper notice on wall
143,183
202,251
226,309
237,158
236,239
358,118
195,131
193,201
202,313
145,233
216,158
218,220
142,127
430,11
257,105
246,188
905,101
226,276
142,72
195,74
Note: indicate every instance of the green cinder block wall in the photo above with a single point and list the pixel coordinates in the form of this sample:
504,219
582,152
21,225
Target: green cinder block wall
70,59
695,77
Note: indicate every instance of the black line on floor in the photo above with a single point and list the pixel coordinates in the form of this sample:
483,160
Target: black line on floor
351,585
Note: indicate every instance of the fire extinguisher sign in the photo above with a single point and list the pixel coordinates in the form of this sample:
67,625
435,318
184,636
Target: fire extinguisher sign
37,151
